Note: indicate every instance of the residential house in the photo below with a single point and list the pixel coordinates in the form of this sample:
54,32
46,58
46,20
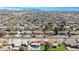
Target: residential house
49,33
37,33
70,42
74,32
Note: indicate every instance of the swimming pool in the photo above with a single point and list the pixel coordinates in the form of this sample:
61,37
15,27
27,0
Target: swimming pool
35,47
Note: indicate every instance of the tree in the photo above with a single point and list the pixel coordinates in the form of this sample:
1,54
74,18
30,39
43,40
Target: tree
56,30
11,25
46,46
69,33
63,23
48,26
2,33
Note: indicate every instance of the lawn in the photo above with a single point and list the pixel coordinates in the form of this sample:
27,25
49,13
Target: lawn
59,48
42,48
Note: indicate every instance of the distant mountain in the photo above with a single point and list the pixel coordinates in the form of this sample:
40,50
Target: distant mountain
41,8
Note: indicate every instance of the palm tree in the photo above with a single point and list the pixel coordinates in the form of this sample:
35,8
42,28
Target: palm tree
56,30
69,33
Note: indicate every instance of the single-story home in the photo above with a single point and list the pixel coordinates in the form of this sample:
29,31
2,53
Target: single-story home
37,33
55,45
49,32
74,32
70,42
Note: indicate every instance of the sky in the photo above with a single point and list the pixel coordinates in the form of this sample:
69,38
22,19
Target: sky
40,3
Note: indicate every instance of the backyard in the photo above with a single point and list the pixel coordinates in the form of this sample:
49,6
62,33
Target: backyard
59,48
